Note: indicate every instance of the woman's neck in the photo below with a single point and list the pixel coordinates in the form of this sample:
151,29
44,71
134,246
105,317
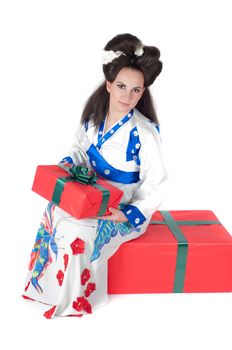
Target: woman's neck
114,116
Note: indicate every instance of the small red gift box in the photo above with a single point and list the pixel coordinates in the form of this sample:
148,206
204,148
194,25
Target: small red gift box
181,251
77,199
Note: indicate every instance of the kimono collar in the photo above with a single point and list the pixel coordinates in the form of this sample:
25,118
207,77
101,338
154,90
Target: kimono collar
102,138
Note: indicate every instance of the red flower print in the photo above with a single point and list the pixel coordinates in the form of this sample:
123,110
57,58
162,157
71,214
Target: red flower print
82,304
26,288
90,288
50,312
25,297
85,276
77,246
87,307
78,305
65,261
60,277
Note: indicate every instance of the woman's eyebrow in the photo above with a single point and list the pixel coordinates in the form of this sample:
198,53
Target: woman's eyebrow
125,85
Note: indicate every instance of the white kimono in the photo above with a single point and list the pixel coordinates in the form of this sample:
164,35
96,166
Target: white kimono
68,266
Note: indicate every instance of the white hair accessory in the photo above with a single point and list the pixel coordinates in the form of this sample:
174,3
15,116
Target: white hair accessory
109,56
139,51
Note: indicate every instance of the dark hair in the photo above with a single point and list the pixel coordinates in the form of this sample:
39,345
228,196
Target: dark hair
97,105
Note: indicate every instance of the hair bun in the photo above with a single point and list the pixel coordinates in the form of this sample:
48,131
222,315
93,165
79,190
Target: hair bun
126,50
150,64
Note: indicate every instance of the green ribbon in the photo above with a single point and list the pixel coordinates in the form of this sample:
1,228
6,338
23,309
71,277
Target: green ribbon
182,251
84,176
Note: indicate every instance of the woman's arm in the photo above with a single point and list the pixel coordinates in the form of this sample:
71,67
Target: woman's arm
154,180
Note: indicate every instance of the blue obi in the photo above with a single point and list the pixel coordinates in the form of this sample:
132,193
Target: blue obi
103,168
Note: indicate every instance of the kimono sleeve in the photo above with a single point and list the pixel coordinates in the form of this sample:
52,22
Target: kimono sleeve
154,181
76,155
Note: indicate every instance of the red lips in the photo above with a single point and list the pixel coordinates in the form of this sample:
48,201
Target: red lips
124,104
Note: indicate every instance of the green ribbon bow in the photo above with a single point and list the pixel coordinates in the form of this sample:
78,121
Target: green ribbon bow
84,176
182,251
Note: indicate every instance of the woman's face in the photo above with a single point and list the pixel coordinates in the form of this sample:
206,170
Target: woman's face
126,90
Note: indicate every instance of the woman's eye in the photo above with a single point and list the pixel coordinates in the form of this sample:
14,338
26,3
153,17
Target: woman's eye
123,86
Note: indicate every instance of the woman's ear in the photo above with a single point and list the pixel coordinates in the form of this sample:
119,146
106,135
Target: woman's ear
108,84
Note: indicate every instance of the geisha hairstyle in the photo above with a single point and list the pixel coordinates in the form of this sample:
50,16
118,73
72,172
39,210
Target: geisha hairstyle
133,55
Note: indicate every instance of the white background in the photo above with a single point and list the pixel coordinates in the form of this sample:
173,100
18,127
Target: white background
50,64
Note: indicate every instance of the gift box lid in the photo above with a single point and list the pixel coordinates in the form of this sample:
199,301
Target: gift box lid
194,224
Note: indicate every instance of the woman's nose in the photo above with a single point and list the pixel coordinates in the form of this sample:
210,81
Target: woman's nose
127,95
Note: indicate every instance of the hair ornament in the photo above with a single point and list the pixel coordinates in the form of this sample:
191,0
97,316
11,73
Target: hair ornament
139,51
109,56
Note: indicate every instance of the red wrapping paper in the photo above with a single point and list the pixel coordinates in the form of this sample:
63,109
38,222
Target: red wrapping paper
147,264
79,200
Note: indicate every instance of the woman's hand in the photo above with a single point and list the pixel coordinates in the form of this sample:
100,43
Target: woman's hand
117,215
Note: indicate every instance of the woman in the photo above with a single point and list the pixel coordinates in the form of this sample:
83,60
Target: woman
118,137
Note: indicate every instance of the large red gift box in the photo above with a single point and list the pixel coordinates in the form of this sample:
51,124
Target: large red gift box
77,199
181,251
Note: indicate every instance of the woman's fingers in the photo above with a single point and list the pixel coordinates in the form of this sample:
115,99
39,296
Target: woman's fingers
117,216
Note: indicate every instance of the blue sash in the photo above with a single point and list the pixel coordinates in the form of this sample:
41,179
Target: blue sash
103,168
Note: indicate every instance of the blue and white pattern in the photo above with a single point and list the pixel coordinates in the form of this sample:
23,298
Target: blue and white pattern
107,229
66,163
133,147
103,168
103,138
129,154
134,215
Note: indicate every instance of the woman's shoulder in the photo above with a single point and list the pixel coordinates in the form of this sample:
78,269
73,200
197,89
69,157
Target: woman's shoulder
144,124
